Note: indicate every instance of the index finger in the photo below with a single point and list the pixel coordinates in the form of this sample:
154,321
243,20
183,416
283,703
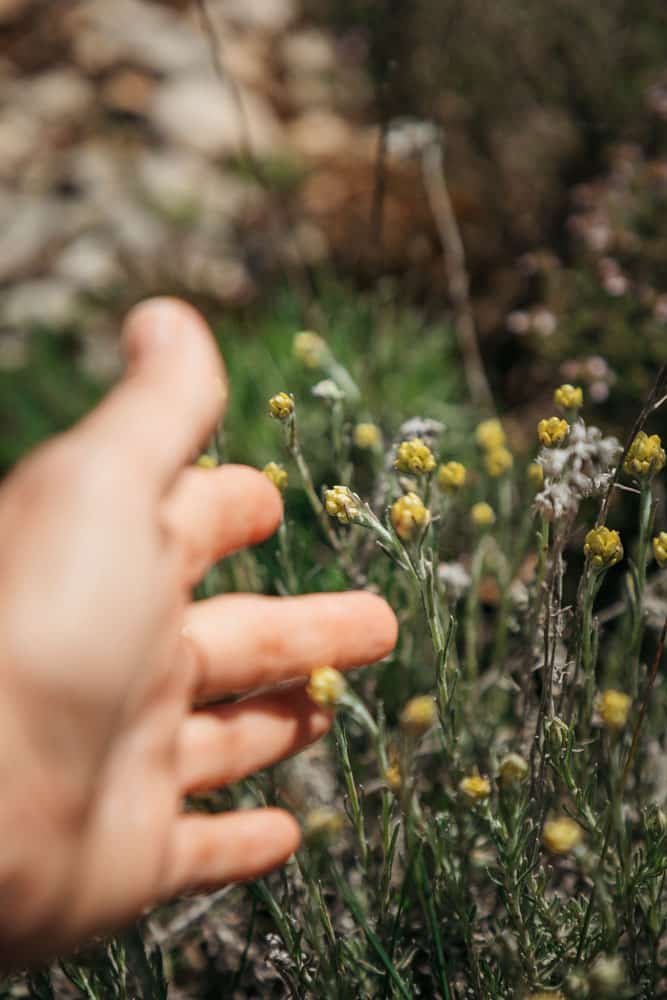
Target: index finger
172,395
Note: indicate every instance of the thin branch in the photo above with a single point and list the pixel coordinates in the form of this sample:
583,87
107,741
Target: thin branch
433,174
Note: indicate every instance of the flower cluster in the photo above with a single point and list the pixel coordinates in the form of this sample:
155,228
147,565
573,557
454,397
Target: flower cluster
645,456
581,469
603,547
552,431
409,516
414,457
340,502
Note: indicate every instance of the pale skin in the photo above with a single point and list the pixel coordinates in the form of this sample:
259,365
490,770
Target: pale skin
105,661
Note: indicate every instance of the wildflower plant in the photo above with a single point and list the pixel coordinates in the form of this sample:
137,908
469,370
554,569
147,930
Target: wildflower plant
487,821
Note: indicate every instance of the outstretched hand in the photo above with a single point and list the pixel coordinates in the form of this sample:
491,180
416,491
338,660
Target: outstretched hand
104,531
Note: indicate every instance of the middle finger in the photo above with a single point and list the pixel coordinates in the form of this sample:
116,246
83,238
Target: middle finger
243,641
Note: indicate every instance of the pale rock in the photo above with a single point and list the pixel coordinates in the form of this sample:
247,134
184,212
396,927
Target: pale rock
89,263
320,134
49,301
200,112
20,135
308,53
271,16
183,184
128,91
30,225
59,95
12,10
130,31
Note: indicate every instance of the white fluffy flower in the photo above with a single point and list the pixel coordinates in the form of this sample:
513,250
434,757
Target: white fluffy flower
454,578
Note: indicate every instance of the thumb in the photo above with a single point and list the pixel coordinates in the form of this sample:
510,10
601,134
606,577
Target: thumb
173,393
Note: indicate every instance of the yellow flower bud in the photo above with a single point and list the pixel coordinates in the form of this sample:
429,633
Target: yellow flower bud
603,547
645,456
452,477
513,770
552,431
340,502
562,835
207,462
535,474
418,715
490,434
498,461
281,406
660,549
367,436
326,687
569,397
482,515
392,775
309,348
614,708
408,516
475,788
277,474
414,457
322,824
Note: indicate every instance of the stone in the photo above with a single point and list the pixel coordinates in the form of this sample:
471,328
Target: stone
59,95
13,10
128,31
320,134
271,16
200,112
128,91
49,301
30,226
89,263
19,138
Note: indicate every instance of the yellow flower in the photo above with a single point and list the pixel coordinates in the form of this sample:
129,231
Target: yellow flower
326,687
409,515
367,436
614,708
552,431
569,397
513,770
482,514
392,775
277,474
603,547
542,995
322,823
418,715
309,348
452,477
490,434
660,549
340,502
535,474
498,461
281,406
561,835
415,457
475,788
645,456
207,462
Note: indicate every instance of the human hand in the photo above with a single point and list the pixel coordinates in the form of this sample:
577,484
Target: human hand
103,533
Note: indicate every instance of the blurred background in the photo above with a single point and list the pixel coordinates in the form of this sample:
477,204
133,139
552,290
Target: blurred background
273,161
